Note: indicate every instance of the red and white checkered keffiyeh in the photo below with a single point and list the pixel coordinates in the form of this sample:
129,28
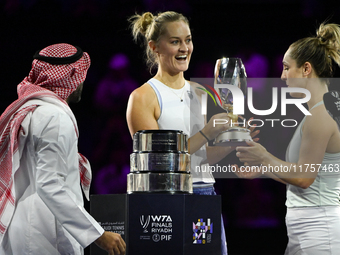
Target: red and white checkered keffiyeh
47,82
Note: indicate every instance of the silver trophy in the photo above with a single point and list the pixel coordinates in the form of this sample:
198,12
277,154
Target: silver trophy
231,71
160,162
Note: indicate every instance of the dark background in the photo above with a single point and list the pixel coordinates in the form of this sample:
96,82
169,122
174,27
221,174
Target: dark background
253,210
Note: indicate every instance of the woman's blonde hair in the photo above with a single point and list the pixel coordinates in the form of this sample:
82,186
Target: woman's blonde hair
320,51
152,27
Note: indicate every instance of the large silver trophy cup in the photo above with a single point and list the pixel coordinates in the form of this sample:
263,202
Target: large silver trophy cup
160,162
231,71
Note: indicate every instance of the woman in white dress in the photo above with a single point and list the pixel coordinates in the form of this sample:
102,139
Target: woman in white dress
312,166
169,101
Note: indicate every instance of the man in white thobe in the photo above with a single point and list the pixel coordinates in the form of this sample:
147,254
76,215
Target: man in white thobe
41,205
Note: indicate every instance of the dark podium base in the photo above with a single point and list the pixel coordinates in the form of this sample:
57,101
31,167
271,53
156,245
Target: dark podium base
161,224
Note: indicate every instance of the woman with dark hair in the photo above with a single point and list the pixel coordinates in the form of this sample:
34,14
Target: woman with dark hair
312,166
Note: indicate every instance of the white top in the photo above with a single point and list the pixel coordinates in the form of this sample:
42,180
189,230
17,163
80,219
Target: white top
325,190
49,217
185,116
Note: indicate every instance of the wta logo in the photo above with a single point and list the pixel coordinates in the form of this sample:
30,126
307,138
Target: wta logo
214,91
144,222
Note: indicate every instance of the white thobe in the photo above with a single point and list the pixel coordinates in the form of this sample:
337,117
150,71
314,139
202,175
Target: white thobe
49,217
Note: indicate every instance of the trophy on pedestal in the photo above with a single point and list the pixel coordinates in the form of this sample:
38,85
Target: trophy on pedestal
231,71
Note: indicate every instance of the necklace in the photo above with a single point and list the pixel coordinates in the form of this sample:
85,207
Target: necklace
173,90
180,97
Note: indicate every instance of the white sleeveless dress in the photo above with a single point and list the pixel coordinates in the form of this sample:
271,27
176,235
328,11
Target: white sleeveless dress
185,116
313,214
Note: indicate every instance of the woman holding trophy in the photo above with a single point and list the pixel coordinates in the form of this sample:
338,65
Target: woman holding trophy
168,101
312,166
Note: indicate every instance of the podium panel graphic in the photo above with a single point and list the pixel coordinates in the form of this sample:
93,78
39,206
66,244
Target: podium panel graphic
161,224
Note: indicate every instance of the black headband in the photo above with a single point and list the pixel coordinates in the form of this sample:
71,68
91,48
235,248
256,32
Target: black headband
60,61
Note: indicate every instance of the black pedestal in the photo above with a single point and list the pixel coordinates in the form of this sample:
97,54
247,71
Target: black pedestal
161,224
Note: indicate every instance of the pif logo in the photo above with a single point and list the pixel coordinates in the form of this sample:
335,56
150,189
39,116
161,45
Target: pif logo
202,231
158,227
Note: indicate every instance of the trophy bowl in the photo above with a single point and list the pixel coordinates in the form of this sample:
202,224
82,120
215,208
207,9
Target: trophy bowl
231,71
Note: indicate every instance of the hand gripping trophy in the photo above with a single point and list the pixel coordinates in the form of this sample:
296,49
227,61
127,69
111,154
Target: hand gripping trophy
231,72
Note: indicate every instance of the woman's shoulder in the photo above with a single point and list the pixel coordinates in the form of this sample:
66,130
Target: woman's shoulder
319,112
143,93
320,120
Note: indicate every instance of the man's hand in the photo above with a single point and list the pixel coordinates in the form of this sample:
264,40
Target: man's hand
111,242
